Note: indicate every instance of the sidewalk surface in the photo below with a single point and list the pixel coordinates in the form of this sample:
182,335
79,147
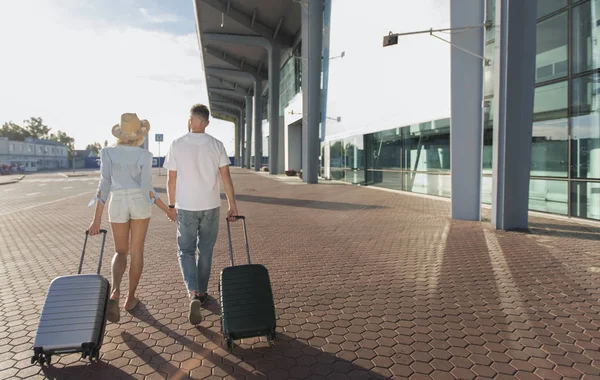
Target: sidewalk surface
10,179
368,285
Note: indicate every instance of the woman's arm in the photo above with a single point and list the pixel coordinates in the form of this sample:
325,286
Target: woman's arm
102,193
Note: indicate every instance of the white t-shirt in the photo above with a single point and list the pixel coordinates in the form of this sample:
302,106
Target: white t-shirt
197,158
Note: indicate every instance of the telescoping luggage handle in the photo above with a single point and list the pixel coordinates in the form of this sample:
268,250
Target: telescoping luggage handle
87,233
243,218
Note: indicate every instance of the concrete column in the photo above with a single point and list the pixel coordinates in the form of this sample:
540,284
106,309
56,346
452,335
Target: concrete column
466,128
236,145
312,42
242,136
514,79
258,136
249,120
274,79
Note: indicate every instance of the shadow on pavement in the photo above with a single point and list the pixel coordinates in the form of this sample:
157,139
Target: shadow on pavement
288,357
94,371
321,205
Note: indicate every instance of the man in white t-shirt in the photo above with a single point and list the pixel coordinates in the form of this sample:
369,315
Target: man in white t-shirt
194,162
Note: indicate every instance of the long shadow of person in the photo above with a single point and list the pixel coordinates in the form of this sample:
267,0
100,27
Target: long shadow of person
288,358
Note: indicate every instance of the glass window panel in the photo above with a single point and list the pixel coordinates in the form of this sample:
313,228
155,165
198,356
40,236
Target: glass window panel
490,10
488,71
548,196
551,59
585,127
384,149
586,22
545,7
549,149
585,200
488,135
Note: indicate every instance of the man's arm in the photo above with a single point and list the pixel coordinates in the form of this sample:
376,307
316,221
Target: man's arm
229,192
171,186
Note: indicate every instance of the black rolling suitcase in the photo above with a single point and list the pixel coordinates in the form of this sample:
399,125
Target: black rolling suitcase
74,315
247,307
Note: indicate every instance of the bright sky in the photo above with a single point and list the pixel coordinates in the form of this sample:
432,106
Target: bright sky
80,64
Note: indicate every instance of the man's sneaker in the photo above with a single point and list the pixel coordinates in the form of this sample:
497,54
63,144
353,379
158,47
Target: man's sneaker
203,298
195,316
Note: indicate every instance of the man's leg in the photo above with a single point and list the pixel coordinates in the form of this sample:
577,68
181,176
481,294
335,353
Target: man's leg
207,236
187,229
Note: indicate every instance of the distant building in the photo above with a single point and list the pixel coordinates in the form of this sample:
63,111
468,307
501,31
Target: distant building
33,154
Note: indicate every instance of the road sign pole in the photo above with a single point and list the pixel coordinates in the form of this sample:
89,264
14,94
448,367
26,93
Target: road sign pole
159,158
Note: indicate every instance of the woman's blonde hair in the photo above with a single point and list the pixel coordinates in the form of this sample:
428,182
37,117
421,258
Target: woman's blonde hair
129,142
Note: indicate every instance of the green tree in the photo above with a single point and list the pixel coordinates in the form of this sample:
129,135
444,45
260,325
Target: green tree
95,148
105,143
36,128
14,132
63,138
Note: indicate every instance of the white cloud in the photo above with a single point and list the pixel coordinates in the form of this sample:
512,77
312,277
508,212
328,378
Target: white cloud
79,75
158,18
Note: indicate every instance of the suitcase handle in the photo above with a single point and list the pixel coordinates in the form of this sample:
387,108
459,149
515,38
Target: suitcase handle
87,233
243,218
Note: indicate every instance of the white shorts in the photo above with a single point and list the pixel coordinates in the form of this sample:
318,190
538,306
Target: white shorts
128,204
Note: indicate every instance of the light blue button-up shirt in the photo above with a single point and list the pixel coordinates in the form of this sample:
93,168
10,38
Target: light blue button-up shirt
125,167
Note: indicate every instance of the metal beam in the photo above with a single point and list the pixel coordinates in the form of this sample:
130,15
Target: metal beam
236,62
227,92
221,98
231,72
249,21
220,105
237,88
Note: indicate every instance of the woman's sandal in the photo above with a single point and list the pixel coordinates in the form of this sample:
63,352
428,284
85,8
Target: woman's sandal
113,313
135,303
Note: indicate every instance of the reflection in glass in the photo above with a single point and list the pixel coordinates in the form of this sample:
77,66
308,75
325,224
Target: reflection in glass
585,127
545,7
585,26
549,149
548,196
488,71
490,14
585,200
552,58
488,135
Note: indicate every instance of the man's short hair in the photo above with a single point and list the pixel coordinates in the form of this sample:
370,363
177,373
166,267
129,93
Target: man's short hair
200,110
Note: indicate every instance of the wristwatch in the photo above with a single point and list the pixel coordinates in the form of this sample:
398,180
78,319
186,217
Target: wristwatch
171,206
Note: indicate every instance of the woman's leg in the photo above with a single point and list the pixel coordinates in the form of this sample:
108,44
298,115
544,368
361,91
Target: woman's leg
139,227
119,264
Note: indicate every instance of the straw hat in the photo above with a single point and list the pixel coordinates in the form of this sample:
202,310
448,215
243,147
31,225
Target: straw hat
131,128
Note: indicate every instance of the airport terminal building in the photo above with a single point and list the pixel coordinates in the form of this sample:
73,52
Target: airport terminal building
311,87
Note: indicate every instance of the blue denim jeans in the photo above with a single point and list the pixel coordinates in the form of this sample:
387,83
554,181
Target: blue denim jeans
196,229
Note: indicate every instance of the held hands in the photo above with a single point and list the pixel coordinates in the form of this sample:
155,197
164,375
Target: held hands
171,214
94,228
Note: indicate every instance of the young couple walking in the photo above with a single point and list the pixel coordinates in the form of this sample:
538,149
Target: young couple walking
194,163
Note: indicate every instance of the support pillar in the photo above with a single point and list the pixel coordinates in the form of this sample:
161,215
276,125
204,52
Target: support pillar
514,79
242,136
236,149
274,79
258,136
312,42
466,128
249,120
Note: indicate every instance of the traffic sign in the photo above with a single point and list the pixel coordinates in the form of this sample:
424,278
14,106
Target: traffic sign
158,137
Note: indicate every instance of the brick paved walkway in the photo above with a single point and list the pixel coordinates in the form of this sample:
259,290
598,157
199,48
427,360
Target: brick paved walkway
368,284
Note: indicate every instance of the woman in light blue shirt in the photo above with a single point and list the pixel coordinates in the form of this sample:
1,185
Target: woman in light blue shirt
126,173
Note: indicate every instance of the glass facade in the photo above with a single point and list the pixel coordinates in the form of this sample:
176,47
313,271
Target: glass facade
412,158
565,157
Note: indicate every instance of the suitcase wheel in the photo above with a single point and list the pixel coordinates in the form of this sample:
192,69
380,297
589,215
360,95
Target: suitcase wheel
41,359
229,344
271,338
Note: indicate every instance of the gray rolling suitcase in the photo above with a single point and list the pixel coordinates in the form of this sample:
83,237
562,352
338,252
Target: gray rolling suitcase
74,315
